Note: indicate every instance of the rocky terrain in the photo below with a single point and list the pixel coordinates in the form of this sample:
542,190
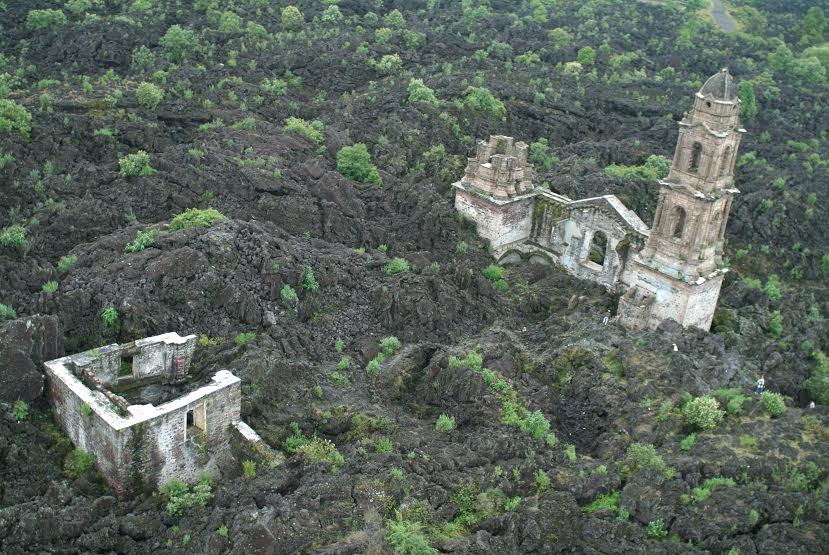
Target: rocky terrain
567,435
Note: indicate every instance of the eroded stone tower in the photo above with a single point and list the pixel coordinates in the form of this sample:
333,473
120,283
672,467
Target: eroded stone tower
677,275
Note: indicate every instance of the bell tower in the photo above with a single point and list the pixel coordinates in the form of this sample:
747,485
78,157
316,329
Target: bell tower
677,273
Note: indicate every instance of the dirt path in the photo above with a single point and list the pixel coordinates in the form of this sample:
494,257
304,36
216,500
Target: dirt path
722,17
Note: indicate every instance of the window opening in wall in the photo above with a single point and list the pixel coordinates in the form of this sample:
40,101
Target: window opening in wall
679,221
598,247
726,158
696,152
125,370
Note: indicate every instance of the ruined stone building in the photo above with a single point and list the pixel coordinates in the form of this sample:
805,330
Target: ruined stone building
100,399
671,270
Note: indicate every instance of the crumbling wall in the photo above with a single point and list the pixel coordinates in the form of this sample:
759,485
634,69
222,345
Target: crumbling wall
690,304
165,355
170,450
87,419
501,224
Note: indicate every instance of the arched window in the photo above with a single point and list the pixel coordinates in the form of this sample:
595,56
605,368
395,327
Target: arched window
696,152
678,219
726,160
598,247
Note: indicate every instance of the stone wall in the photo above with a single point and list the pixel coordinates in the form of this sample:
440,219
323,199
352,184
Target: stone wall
166,355
656,297
143,444
86,417
503,224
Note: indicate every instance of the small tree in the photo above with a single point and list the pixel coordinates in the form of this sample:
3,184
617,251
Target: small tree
179,44
354,162
310,283
14,117
292,18
37,20
14,236
703,413
136,164
149,95
419,92
395,266
109,316
289,296
586,56
773,403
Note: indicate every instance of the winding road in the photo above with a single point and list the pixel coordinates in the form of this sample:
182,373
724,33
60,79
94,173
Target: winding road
722,17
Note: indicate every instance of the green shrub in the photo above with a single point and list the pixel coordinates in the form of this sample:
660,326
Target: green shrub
817,386
445,423
480,99
773,403
312,130
136,164
222,531
406,538
244,338
389,63
149,95
384,445
14,236
295,441
608,502
20,410
772,288
66,262
339,345
655,167
109,316
354,162
37,20
322,450
776,324
570,451
473,360
493,272
586,56
535,424
396,265
179,44
688,442
656,530
640,456
373,366
542,480
50,287
419,92
181,498
274,86
703,413
14,117
462,247
196,217
249,469
289,296
77,462
6,312
389,345
292,18
700,494
345,363
143,239
310,283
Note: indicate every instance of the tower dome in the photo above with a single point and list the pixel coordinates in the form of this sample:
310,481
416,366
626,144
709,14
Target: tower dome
720,86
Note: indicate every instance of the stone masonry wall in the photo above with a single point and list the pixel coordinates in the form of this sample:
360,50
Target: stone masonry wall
158,355
88,430
168,450
503,224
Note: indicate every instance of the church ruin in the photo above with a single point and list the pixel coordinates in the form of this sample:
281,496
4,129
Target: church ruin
140,412
672,270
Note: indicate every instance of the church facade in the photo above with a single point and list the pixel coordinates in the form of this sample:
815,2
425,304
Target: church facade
672,270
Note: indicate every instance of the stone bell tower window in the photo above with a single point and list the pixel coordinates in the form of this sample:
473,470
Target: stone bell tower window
696,152
679,222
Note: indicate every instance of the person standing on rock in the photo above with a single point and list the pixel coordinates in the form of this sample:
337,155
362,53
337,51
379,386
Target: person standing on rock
761,385
606,317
